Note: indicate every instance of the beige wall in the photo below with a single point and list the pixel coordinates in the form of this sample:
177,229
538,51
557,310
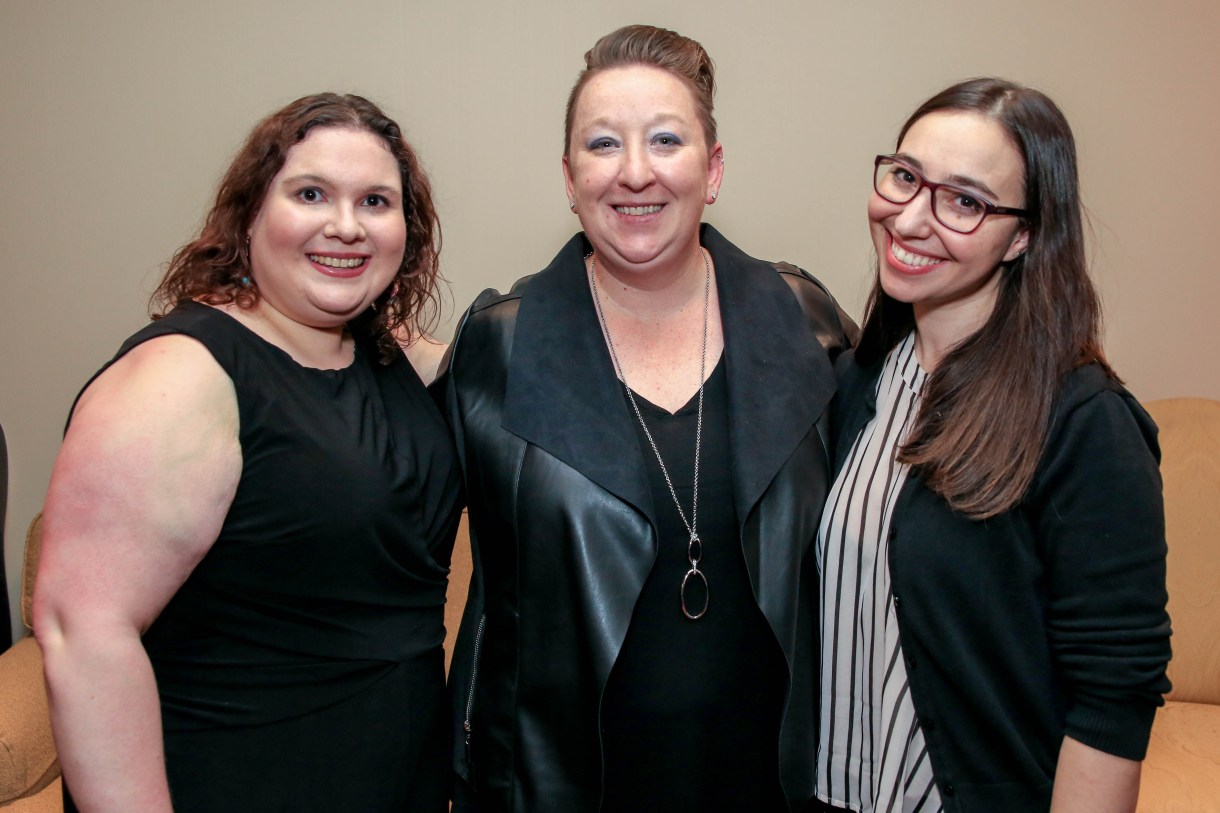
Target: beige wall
117,118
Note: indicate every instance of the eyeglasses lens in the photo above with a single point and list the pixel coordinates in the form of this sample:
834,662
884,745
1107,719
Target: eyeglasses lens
954,208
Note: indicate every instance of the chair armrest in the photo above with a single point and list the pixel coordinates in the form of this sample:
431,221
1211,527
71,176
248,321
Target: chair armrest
1182,769
28,762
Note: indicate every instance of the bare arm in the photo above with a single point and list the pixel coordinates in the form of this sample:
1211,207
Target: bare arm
1092,781
139,492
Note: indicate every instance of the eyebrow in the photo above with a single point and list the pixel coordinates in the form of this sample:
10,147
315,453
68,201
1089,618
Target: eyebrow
953,180
380,189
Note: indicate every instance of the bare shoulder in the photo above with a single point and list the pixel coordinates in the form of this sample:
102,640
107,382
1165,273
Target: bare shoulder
425,354
164,409
143,481
174,370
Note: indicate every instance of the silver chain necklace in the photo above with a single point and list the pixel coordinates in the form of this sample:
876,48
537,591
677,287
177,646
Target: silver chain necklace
694,548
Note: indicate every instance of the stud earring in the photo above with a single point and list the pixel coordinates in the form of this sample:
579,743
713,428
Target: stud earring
572,205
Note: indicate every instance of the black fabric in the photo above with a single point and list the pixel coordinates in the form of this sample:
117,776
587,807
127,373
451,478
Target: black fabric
562,518
691,712
300,666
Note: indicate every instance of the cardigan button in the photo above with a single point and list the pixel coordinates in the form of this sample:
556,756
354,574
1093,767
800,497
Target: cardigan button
910,663
897,602
948,790
927,723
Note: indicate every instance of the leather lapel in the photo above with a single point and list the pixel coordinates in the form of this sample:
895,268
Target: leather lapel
562,394
780,379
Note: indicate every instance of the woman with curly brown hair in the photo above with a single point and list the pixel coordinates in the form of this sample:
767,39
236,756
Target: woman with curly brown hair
249,524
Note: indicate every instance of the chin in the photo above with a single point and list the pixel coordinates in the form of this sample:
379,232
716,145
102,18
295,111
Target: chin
340,312
891,284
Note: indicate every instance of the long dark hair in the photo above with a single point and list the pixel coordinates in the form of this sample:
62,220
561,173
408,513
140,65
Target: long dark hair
214,266
987,406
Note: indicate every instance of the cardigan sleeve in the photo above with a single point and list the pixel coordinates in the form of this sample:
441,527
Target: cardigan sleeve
1099,516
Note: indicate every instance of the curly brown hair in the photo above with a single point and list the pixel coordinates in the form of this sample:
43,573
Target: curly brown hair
215,267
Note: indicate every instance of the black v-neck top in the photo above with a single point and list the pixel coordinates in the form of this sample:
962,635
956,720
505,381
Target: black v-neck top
691,713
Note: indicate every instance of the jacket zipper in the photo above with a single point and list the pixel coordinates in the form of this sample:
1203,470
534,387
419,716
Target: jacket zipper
474,682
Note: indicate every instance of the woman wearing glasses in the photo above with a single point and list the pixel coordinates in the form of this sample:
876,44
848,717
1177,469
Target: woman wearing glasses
992,556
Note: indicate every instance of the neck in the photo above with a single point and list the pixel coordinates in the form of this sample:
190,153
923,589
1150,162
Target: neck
653,295
323,348
656,335
937,333
940,327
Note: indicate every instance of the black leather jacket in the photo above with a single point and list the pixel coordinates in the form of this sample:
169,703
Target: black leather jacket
560,513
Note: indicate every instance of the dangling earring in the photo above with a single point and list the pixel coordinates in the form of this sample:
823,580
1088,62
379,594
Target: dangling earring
245,280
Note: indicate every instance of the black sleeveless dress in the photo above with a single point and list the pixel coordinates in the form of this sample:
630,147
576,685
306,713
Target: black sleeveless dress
300,667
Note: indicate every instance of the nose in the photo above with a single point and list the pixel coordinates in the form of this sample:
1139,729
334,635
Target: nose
344,224
636,171
916,218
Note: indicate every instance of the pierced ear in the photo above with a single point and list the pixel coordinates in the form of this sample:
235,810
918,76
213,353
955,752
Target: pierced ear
715,172
1020,242
569,186
715,165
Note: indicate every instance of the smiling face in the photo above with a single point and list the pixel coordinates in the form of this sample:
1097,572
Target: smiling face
330,234
639,169
938,271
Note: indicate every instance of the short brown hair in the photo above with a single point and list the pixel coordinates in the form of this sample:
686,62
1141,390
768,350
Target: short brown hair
658,48
215,267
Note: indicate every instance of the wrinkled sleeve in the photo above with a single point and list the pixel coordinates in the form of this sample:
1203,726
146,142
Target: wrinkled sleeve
1098,509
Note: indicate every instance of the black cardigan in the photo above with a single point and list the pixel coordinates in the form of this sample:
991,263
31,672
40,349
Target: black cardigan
1045,621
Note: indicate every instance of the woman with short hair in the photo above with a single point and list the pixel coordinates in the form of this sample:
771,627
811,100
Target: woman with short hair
640,428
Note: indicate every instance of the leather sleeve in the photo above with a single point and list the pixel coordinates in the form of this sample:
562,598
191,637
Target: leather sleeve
836,330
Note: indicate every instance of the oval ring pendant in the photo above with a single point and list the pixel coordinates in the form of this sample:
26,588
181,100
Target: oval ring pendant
706,594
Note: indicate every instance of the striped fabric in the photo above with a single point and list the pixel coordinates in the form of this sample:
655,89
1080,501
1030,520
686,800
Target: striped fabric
871,752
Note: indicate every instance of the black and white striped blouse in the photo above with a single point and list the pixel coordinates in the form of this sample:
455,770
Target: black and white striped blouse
871,752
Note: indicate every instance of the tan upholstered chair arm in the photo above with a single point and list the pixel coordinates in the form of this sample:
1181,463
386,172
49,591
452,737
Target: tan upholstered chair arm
1182,771
28,762
1190,465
